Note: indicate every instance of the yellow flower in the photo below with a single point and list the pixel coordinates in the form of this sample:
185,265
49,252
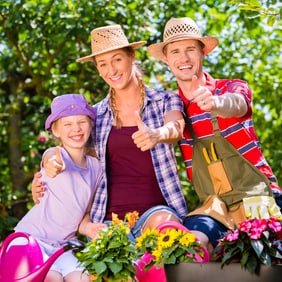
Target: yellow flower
167,239
158,254
127,230
115,219
187,238
169,246
147,236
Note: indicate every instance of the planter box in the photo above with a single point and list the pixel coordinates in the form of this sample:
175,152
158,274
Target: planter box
212,272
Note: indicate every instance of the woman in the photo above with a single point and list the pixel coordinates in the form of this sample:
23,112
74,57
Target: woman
135,130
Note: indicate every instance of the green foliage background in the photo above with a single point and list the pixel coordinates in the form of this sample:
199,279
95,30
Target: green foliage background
41,39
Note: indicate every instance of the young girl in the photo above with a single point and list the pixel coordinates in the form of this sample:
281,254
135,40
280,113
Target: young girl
69,196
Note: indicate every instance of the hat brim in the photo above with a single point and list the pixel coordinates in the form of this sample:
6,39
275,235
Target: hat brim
134,45
156,50
88,111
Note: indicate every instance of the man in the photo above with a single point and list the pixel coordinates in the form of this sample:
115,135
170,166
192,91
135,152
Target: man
219,137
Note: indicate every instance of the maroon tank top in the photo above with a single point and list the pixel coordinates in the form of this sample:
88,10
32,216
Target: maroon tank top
132,183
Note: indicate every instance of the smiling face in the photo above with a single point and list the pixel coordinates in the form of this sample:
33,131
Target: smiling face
185,59
73,131
115,67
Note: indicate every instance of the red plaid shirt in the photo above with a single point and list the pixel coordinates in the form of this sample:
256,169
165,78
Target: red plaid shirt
239,132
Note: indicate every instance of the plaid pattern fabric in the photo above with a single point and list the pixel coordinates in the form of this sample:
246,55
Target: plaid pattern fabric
239,132
157,103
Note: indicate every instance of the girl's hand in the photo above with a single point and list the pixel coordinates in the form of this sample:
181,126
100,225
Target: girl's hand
53,163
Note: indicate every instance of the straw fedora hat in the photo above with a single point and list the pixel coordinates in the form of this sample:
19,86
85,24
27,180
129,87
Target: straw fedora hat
177,29
108,38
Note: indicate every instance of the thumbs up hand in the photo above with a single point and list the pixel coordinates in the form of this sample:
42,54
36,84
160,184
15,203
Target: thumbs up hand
201,95
54,164
145,138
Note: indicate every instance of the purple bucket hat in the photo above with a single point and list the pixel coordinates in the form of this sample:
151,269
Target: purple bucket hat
69,105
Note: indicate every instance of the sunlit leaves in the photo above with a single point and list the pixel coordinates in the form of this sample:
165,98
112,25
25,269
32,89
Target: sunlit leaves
40,41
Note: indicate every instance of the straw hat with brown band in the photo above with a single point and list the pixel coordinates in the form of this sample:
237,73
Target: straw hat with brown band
108,38
177,29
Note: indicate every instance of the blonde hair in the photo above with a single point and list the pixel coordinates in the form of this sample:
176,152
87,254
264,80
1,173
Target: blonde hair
139,75
88,148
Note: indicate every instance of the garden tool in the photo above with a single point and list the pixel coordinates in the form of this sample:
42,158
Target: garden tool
24,262
217,172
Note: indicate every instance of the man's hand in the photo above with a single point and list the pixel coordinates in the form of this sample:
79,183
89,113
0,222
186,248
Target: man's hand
226,105
261,207
201,95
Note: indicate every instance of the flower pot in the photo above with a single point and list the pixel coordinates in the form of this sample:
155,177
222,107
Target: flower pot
199,272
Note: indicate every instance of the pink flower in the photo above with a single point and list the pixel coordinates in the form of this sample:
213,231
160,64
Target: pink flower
41,138
257,239
245,226
255,234
33,154
274,224
259,224
258,227
232,236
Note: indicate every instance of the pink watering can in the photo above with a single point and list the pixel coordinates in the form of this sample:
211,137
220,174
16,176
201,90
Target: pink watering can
158,274
24,263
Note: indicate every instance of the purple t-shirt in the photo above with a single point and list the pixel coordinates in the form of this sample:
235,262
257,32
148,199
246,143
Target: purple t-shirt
131,177
56,219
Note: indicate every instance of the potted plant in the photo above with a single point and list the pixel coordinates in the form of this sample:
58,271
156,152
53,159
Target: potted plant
110,256
169,245
254,243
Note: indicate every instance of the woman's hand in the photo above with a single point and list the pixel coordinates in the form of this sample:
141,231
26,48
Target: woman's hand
146,138
37,188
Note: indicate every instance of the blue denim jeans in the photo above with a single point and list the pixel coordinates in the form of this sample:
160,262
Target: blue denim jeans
207,225
136,230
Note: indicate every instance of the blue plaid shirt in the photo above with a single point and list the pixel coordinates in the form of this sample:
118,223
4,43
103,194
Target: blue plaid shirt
156,104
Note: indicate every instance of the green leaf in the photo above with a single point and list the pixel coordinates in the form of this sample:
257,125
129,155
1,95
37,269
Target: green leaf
253,265
271,20
100,267
257,246
245,258
275,253
170,260
265,257
114,245
115,267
